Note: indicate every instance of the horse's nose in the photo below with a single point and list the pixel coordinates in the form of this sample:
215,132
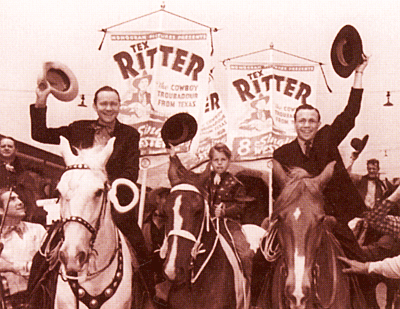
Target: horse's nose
73,262
175,274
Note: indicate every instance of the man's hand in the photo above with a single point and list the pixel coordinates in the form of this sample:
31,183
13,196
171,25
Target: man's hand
171,150
355,266
361,67
42,92
354,155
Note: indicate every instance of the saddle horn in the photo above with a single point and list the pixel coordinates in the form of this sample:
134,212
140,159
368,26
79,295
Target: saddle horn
119,191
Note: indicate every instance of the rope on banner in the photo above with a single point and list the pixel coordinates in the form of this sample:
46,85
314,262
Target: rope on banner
212,29
283,52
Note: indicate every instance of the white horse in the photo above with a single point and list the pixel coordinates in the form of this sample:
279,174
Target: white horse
96,263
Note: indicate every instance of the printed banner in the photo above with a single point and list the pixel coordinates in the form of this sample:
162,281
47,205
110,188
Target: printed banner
158,75
261,102
213,123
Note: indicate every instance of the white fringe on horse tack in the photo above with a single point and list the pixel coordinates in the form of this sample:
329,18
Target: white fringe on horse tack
242,288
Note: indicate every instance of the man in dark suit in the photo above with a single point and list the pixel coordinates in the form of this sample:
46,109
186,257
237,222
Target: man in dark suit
314,148
124,161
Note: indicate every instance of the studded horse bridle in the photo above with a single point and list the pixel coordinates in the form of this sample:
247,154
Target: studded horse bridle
79,292
92,229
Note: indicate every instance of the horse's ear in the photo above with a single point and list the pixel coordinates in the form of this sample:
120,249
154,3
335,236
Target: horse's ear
279,174
66,152
107,151
326,175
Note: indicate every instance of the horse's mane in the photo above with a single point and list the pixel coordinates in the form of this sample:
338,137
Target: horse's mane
298,189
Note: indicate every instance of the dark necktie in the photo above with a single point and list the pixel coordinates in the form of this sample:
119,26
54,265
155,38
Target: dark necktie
308,147
102,134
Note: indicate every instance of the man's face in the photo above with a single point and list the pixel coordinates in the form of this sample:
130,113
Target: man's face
143,84
16,208
7,148
373,170
306,124
107,106
219,162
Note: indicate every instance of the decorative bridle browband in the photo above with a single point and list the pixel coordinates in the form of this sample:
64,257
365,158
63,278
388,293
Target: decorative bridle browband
80,220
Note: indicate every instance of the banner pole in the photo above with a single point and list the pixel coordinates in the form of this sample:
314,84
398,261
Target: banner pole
145,163
271,202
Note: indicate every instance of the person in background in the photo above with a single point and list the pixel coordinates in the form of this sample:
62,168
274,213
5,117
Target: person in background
20,241
379,219
10,166
370,187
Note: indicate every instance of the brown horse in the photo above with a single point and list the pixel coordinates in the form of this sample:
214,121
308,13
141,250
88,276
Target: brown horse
196,262
307,273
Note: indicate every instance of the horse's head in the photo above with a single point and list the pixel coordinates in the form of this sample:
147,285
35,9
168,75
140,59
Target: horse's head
299,214
185,211
84,197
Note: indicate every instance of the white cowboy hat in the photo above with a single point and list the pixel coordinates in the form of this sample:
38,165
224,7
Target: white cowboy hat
63,83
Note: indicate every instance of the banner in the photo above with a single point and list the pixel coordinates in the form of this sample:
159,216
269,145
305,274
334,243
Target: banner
213,123
261,102
158,75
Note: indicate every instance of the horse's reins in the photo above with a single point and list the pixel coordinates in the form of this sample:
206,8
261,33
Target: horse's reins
270,251
272,229
92,229
334,271
197,247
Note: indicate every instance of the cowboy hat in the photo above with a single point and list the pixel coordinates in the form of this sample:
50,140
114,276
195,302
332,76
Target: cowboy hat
179,128
63,83
359,144
346,51
137,80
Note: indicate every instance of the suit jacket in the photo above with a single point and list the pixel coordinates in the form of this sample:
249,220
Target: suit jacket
362,187
341,196
10,178
124,161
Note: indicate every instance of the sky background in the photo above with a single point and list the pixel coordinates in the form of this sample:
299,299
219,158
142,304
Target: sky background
33,32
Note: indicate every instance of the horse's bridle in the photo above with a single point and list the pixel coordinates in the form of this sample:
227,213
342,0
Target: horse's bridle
197,247
272,255
92,229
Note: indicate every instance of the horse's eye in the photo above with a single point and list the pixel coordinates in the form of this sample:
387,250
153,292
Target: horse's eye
98,193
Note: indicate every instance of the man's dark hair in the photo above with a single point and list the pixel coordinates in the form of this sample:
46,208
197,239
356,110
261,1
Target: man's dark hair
10,138
306,107
105,88
373,162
